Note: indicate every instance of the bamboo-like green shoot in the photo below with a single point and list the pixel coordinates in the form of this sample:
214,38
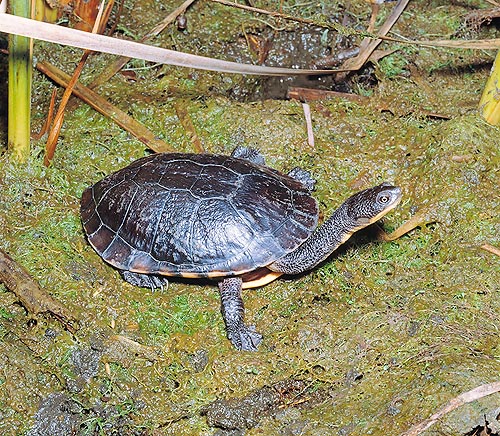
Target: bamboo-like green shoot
44,12
489,105
20,75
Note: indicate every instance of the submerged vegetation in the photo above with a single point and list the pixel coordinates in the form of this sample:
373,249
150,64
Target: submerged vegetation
371,342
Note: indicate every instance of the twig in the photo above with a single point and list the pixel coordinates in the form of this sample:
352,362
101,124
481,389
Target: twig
187,124
155,31
306,94
76,38
119,348
106,108
275,14
30,294
53,136
54,132
491,248
422,217
48,119
369,45
466,397
118,64
467,44
493,2
307,115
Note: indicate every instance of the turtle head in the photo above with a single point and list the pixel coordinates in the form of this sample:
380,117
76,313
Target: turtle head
368,206
358,211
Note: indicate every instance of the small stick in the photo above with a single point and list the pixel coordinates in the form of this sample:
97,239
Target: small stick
118,345
470,44
272,13
307,115
53,136
103,106
373,16
493,2
155,31
30,294
187,124
369,45
466,397
118,64
306,94
422,217
48,120
491,248
54,133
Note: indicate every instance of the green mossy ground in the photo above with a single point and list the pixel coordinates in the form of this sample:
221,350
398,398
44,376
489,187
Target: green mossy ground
389,331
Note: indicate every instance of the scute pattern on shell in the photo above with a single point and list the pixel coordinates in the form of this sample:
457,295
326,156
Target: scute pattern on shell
194,214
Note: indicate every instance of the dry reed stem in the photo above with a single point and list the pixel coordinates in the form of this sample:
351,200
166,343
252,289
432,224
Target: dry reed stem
55,131
491,249
119,63
107,109
466,397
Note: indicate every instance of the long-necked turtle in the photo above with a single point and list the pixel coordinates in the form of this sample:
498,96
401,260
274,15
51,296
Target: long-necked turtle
229,218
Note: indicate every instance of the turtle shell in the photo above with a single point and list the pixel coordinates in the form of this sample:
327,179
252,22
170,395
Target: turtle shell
196,215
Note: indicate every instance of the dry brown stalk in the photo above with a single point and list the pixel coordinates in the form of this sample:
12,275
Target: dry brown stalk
48,120
491,249
187,124
368,45
466,397
119,63
107,109
55,131
30,294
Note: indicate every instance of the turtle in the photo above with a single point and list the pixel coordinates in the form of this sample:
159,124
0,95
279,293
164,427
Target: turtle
229,219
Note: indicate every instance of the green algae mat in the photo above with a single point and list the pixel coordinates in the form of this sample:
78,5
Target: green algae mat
376,339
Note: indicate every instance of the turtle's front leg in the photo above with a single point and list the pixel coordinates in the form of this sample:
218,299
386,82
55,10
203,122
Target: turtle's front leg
242,337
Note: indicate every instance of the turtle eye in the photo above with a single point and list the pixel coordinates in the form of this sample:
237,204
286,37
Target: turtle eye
384,198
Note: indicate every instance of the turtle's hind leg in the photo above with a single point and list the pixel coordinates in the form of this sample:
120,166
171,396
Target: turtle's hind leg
145,280
241,336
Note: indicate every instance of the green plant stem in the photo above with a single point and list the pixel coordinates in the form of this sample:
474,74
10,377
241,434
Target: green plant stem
489,105
20,73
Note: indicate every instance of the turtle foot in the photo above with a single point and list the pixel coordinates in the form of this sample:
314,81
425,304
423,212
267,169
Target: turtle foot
145,280
241,336
245,338
304,177
250,154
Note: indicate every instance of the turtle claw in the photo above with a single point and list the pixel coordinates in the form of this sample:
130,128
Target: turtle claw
245,338
158,282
